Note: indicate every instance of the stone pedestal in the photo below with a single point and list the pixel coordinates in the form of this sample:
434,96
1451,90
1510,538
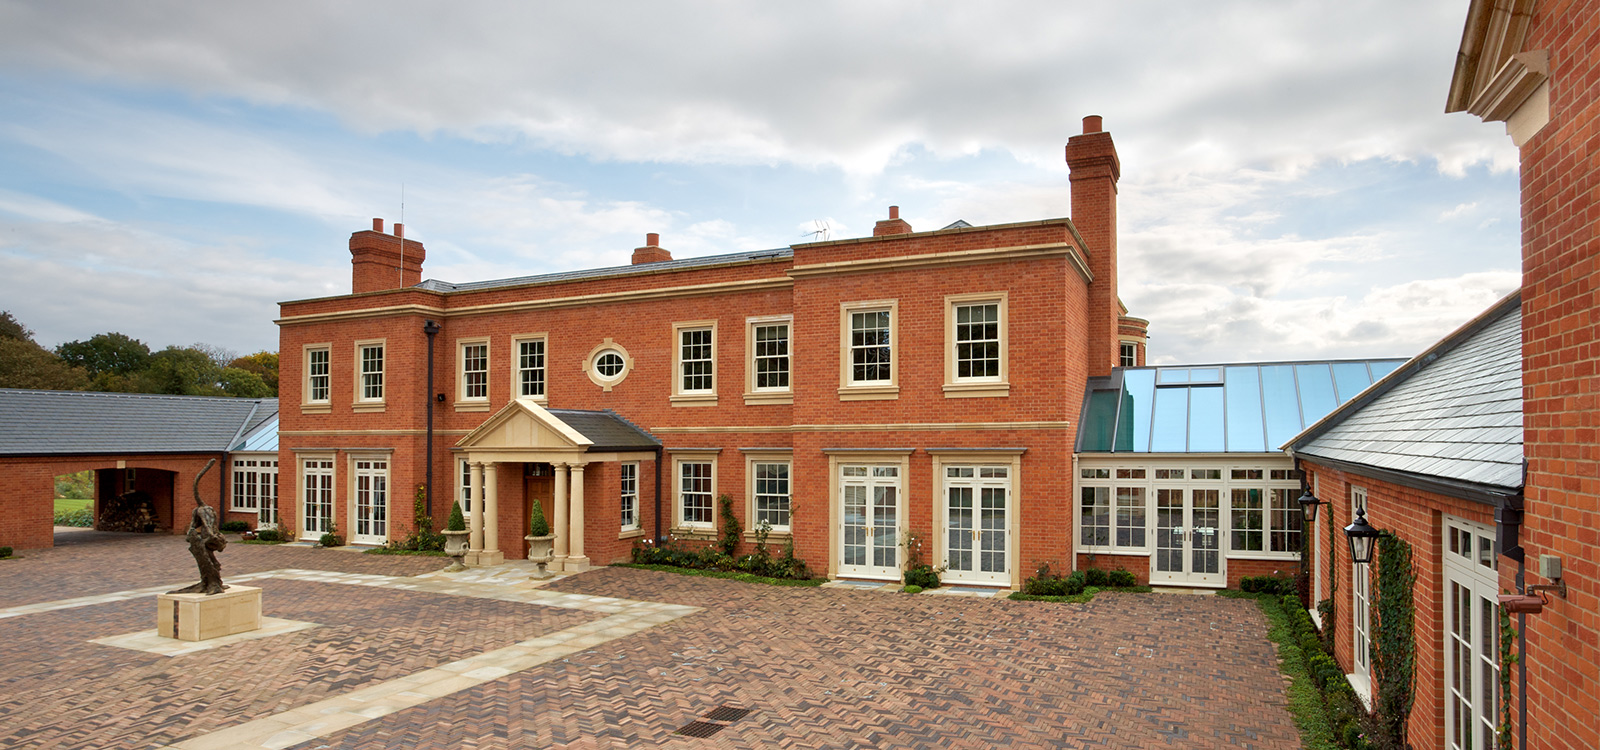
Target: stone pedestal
197,617
484,558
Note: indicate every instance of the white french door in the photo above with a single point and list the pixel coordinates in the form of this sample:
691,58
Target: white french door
869,513
1471,636
977,521
1188,538
316,498
371,516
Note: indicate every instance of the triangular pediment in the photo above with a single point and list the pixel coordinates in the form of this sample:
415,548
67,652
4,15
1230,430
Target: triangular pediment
524,425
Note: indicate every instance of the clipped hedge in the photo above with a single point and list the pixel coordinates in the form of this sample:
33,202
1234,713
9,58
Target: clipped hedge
82,518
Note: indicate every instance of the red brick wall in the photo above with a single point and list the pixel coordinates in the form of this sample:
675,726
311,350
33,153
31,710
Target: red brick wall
27,486
1561,239
1416,517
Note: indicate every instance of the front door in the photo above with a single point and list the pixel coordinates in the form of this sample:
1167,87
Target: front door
371,517
977,524
1188,538
869,498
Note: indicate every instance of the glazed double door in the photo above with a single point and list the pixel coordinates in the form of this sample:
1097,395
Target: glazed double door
977,524
1188,528
869,498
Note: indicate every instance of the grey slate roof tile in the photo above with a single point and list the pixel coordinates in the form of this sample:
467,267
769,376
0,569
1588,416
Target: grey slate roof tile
69,422
436,285
606,430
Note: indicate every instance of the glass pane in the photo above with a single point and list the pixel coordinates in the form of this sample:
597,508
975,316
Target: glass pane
1138,402
1243,397
1171,412
1380,369
1316,391
1350,378
1282,404
1205,420
1174,376
1205,375
1099,422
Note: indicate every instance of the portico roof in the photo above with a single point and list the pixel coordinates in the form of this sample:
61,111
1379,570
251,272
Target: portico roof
523,430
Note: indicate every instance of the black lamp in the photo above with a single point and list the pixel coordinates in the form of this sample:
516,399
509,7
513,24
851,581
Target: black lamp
1362,536
1308,505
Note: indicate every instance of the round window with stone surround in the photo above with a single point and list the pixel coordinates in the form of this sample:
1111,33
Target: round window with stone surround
608,363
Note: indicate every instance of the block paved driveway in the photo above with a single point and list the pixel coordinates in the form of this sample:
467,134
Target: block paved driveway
826,668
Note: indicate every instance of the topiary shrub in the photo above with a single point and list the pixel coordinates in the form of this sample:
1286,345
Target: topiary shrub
1121,577
234,527
457,522
537,525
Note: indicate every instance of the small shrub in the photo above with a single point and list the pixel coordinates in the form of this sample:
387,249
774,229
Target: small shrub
81,518
912,589
5,551
1122,578
1094,577
234,527
537,525
331,538
919,573
457,522
270,535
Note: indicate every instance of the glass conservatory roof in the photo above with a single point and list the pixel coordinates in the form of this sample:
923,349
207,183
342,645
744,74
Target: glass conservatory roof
1238,408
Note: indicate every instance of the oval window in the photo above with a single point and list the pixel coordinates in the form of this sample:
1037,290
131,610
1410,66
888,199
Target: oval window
609,364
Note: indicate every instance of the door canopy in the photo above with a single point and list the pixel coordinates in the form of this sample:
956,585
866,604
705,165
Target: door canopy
523,431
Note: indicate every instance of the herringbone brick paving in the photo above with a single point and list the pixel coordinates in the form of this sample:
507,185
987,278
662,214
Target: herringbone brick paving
845,669
87,562
57,690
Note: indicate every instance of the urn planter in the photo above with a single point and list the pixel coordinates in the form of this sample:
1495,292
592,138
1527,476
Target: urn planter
540,551
455,545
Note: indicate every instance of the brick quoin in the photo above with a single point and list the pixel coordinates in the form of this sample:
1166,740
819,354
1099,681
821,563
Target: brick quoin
1061,326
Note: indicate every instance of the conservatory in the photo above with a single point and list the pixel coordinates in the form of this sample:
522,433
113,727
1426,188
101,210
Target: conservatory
1179,476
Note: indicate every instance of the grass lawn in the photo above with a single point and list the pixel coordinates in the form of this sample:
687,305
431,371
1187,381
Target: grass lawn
69,503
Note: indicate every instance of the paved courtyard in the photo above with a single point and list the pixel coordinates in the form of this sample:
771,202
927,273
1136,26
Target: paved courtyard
392,654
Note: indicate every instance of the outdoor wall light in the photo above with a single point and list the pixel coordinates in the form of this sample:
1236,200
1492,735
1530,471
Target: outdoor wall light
1308,505
1362,537
1519,604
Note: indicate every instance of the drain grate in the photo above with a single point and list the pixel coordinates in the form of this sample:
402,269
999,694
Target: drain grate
700,729
728,713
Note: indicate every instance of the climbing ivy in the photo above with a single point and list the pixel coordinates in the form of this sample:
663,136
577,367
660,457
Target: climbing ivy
1330,617
1393,643
1508,659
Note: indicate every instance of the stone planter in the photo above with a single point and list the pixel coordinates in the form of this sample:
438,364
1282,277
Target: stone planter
540,551
455,545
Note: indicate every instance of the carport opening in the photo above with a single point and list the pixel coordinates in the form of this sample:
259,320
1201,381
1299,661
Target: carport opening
75,498
133,499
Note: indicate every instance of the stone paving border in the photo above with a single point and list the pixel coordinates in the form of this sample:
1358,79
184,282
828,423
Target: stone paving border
322,718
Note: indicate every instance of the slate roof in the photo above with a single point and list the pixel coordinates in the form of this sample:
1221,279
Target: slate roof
70,422
436,285
1452,413
607,430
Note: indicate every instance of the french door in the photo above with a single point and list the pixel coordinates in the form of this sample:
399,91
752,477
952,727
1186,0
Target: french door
869,513
316,510
977,517
1471,636
371,516
1188,538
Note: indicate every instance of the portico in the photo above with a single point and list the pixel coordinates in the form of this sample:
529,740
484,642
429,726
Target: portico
568,441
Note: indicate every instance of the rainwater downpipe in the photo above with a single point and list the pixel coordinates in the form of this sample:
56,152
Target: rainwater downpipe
659,538
1522,660
432,329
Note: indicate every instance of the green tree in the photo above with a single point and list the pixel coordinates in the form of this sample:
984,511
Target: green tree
233,381
111,353
25,364
179,371
264,364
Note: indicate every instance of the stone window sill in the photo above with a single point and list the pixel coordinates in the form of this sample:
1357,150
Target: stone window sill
869,393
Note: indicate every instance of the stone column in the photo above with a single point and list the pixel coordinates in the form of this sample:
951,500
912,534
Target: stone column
559,559
491,554
577,562
475,516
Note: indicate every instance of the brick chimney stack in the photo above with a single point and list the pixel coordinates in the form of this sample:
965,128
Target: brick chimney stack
652,252
892,225
1094,169
379,262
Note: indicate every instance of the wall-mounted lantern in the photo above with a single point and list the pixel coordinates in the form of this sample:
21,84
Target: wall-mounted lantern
1363,537
1308,505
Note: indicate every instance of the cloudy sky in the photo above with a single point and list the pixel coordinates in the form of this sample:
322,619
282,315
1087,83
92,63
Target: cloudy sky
1291,185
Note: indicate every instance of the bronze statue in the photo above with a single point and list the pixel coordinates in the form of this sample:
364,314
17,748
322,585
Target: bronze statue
205,541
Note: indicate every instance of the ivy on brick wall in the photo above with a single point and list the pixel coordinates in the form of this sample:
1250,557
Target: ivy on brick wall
1330,615
1508,659
1393,643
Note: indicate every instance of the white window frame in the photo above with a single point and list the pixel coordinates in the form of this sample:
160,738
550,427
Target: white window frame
1109,476
463,486
1360,676
851,389
464,401
246,496
1127,354
317,466
678,507
753,482
591,362
976,386
257,477
628,494
308,404
368,380
1477,574
754,393
518,369
681,395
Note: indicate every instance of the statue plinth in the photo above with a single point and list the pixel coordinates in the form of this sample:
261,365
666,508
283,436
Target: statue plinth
200,617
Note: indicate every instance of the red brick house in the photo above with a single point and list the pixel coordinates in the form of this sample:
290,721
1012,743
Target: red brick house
845,392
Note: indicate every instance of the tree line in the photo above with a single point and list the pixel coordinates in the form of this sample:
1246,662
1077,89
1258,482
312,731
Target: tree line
117,363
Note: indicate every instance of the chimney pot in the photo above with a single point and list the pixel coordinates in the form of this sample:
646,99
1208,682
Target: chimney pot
894,212
377,225
652,239
399,230
1093,124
